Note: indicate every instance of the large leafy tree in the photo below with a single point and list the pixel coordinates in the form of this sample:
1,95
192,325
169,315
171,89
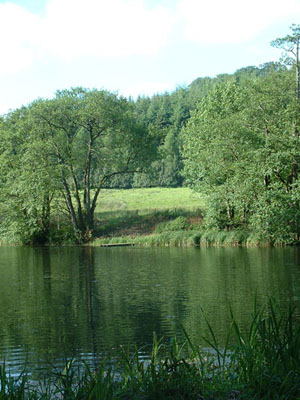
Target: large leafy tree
215,147
84,137
240,148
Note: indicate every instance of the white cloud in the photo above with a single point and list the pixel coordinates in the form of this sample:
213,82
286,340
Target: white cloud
18,36
71,29
260,51
232,21
105,28
101,39
79,28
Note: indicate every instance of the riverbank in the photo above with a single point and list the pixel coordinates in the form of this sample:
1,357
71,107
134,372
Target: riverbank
186,239
263,363
166,217
154,217
192,238
171,228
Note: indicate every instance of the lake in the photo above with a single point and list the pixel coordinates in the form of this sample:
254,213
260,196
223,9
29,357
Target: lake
84,302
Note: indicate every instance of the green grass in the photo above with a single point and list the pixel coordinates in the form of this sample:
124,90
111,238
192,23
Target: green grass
262,363
149,199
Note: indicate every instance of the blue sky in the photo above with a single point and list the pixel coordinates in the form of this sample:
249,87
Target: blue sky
133,47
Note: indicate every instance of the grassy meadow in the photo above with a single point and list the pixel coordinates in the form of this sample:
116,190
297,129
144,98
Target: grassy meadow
139,215
145,199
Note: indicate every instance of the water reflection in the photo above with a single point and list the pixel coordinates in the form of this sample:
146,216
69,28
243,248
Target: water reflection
56,303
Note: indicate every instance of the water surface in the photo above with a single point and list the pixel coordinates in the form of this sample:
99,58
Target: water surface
56,303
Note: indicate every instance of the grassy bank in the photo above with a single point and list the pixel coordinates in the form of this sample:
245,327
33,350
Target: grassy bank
161,217
264,363
158,228
189,238
169,228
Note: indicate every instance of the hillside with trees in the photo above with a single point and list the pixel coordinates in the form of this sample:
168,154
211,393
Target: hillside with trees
234,138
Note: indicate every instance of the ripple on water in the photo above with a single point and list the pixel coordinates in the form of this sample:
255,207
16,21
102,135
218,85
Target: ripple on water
57,303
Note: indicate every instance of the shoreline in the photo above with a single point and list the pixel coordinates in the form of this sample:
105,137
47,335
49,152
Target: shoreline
189,238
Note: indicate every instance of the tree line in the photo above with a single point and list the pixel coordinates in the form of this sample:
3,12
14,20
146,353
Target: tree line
234,138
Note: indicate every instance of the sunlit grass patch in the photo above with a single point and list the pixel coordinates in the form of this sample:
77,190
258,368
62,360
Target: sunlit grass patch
149,199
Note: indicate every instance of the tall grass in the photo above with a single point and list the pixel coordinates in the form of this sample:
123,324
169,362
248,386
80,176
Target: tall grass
181,238
263,363
164,239
268,357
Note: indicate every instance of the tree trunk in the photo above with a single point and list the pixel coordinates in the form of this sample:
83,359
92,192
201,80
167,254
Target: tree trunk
68,199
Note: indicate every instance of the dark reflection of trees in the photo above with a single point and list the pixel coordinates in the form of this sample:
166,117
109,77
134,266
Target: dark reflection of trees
58,302
144,323
134,291
87,264
46,265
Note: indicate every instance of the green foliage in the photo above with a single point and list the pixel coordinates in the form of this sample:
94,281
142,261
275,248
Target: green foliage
177,224
166,114
268,356
27,187
241,148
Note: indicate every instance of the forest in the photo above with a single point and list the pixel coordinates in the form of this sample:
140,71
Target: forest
234,137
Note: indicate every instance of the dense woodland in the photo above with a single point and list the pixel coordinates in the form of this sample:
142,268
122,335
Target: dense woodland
234,138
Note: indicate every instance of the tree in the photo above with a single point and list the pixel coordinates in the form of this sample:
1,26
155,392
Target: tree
240,150
89,136
215,148
290,44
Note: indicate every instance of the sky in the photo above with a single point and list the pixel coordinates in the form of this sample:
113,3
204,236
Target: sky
132,47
